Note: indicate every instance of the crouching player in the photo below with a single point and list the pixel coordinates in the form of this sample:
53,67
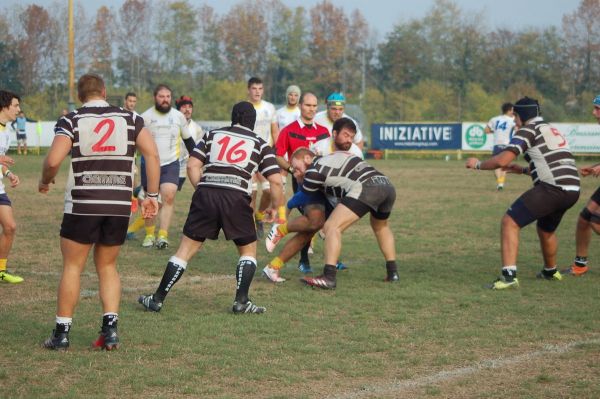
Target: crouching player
360,189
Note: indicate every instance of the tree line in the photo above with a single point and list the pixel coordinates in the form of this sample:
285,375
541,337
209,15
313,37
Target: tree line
446,66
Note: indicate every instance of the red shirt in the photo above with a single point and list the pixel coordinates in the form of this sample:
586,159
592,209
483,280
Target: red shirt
296,135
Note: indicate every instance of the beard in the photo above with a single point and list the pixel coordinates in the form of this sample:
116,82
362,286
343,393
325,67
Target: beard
343,146
162,108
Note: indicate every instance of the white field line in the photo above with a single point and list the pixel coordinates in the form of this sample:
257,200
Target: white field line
447,375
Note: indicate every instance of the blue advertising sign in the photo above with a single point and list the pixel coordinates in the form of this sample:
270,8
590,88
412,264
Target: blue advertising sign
416,136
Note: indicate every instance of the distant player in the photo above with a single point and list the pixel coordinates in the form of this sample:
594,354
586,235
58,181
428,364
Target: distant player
168,127
266,129
589,218
556,189
20,126
185,105
290,112
221,167
501,127
336,105
100,140
9,109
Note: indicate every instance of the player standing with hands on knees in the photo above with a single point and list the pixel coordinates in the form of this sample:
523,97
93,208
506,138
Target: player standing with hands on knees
101,140
555,189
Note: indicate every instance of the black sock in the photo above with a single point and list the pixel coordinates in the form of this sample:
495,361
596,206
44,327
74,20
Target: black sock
581,261
549,272
509,274
304,254
172,274
62,328
244,274
329,272
391,267
109,321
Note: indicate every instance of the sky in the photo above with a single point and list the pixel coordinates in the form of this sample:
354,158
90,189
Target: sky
383,15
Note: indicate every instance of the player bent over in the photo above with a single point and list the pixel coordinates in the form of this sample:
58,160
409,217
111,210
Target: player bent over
101,140
361,189
221,167
556,189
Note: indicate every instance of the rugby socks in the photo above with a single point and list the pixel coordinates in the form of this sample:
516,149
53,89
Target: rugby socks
150,230
277,263
163,233
3,265
259,216
580,261
137,224
173,273
391,267
63,325
109,320
283,229
329,272
509,272
549,271
244,273
500,181
304,254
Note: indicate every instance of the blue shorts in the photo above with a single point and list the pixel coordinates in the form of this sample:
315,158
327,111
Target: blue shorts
498,149
4,200
168,174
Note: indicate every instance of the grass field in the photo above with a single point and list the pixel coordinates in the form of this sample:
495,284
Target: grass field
436,334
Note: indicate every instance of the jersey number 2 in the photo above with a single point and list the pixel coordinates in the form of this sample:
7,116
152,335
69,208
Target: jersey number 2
99,145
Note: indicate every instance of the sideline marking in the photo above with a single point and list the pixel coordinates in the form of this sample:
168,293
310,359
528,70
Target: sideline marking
446,375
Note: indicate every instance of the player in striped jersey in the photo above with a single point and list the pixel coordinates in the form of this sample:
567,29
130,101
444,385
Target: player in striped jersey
361,189
589,218
9,109
221,167
101,140
556,189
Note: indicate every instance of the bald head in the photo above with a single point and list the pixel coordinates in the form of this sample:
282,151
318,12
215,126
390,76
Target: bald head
308,107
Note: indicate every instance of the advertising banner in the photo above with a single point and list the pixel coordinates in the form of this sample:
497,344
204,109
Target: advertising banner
416,136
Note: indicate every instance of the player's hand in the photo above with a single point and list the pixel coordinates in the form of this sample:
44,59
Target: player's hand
43,187
471,163
270,215
590,170
6,160
14,180
149,208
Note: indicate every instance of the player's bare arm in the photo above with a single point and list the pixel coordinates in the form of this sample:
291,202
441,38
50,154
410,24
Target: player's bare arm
60,148
499,161
147,146
194,171
6,160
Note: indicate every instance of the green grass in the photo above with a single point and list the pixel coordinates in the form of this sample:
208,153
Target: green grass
365,339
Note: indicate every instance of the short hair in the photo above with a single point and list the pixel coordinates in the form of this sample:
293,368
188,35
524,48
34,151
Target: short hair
130,94
506,107
6,98
300,152
344,123
90,85
306,93
160,87
254,81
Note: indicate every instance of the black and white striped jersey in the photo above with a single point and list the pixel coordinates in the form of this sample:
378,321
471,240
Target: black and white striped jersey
231,155
101,175
548,154
340,174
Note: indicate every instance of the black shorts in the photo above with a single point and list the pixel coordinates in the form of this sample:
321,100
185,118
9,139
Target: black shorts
215,209
498,149
545,203
21,136
88,229
596,196
377,196
168,174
